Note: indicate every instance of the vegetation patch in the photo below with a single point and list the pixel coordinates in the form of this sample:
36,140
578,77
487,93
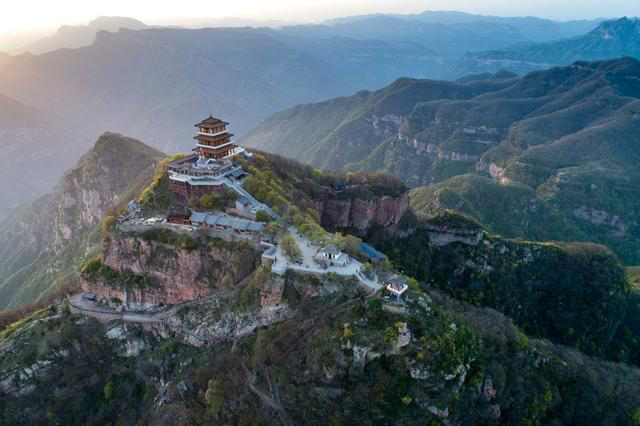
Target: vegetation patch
95,271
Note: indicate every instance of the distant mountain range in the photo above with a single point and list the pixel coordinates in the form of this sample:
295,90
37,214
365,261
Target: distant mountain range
445,39
529,27
610,39
154,82
73,37
562,140
34,146
151,82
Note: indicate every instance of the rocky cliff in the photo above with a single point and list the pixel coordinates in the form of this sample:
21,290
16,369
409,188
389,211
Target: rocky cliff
142,273
359,214
44,242
549,289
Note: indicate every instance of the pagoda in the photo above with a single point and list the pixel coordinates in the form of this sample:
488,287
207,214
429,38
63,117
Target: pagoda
210,167
214,140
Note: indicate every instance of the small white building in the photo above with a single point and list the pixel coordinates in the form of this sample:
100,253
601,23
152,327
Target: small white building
396,286
332,255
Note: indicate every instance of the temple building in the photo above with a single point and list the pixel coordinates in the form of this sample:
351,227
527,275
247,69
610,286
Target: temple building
396,286
332,255
210,168
214,140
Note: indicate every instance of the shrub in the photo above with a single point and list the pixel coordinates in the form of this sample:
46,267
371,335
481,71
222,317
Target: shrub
108,223
108,390
273,229
368,271
262,216
213,396
291,249
209,201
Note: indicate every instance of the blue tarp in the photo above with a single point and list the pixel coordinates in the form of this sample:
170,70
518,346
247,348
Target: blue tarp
371,253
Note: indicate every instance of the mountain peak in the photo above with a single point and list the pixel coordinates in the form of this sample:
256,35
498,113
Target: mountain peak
116,146
114,23
622,28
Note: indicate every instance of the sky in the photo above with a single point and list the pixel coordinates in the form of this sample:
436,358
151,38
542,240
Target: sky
29,15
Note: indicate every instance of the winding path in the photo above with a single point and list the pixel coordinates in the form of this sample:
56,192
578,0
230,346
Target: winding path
80,304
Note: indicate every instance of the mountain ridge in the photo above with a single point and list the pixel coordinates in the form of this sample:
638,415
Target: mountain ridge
557,131
613,38
532,28
73,37
42,242
30,164
325,347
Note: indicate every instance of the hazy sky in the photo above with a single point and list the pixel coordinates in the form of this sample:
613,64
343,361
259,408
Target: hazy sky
25,15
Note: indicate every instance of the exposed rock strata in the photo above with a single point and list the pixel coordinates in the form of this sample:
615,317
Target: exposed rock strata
361,214
600,217
174,274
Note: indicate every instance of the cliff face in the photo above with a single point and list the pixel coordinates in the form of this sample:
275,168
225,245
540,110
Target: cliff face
171,274
48,239
361,214
93,186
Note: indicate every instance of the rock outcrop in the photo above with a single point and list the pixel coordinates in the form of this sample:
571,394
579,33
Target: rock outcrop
48,239
361,214
168,274
94,185
600,217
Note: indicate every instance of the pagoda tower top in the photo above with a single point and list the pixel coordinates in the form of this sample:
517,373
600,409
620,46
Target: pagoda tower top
211,123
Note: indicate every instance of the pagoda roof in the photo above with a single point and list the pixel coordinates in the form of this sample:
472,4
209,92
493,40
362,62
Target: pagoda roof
214,138
211,122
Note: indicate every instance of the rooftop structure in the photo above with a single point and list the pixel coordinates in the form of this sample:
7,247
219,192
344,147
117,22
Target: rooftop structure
219,221
179,216
214,140
333,255
206,170
397,285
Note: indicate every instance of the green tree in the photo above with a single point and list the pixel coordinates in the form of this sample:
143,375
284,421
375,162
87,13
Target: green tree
273,229
262,216
209,201
108,223
108,390
291,249
214,397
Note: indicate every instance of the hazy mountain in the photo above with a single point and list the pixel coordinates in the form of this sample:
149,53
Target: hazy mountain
532,28
42,243
368,64
568,134
35,149
10,41
72,37
445,39
151,83
226,22
529,28
155,83
610,39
